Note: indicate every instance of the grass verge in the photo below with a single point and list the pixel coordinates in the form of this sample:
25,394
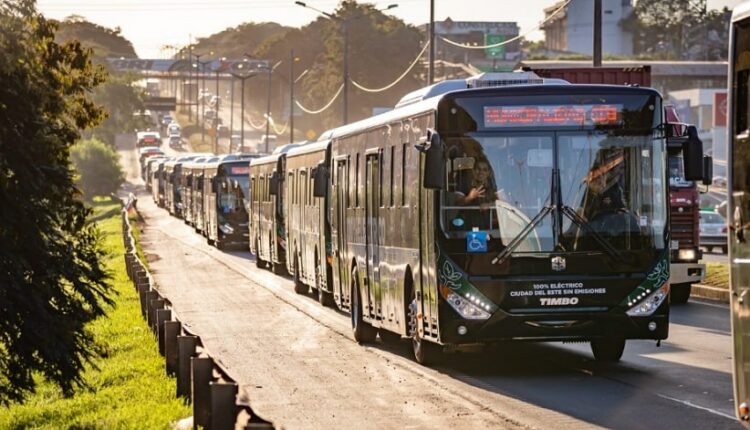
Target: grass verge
128,388
717,275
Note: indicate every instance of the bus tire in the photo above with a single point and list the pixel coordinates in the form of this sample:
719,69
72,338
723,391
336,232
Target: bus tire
278,269
679,293
608,350
362,331
425,352
258,262
324,297
299,287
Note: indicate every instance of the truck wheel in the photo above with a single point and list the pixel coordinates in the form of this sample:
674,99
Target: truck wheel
679,293
608,350
362,331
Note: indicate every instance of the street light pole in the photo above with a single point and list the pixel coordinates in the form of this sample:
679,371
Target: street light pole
268,103
431,72
242,79
291,96
345,34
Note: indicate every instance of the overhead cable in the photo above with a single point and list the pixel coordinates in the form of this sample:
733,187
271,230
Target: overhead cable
315,112
392,84
512,39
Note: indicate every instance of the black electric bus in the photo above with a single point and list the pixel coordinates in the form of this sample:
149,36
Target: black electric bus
158,181
225,187
308,233
738,211
520,212
186,179
266,209
198,195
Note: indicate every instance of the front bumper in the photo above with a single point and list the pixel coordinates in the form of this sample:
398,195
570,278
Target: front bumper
560,327
686,273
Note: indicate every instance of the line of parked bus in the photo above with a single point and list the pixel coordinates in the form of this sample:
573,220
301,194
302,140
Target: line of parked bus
509,208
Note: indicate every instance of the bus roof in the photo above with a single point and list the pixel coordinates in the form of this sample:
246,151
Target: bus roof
432,103
741,11
308,148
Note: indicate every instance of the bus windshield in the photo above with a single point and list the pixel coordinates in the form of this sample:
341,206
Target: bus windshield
554,189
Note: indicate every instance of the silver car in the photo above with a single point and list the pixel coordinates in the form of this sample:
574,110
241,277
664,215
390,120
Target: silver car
713,231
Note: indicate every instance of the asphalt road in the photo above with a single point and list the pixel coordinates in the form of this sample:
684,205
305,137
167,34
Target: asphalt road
299,367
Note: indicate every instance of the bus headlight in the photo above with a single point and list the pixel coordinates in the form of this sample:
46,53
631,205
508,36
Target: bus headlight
468,309
650,303
686,254
226,228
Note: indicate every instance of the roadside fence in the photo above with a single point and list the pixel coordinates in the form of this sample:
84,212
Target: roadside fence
201,380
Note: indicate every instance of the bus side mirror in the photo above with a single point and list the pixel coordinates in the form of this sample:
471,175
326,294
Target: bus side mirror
189,181
273,184
213,185
708,169
320,181
434,165
692,151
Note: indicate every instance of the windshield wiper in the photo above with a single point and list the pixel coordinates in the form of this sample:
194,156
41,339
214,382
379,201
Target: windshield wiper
505,253
522,235
584,225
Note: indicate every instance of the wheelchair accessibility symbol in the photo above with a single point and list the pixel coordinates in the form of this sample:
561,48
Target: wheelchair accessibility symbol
476,241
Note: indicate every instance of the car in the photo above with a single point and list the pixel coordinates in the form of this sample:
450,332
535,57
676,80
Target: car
175,141
209,114
713,231
719,181
148,138
174,129
166,120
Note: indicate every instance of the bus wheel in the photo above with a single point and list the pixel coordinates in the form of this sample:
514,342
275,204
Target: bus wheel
299,287
278,269
324,297
425,352
362,331
219,244
679,293
608,350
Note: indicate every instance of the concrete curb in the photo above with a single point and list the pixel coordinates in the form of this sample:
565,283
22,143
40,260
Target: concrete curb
710,293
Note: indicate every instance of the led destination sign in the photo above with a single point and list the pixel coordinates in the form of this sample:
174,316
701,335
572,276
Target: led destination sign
239,170
551,115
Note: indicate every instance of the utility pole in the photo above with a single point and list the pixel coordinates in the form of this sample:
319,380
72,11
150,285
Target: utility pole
597,33
291,96
431,72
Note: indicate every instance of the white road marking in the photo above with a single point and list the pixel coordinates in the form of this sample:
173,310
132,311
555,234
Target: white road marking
693,405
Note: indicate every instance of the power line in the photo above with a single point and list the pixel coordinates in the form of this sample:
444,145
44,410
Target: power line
392,84
513,39
315,112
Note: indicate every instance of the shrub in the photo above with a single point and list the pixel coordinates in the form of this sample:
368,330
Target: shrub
98,167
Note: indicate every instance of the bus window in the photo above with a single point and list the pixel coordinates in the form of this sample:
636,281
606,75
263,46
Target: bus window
390,171
403,174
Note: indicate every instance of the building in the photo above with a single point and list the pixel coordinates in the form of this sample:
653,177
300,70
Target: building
572,28
450,33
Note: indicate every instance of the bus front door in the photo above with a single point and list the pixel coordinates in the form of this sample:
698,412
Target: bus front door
339,253
372,235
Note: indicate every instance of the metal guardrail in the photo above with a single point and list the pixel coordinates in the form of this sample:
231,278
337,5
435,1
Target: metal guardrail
201,380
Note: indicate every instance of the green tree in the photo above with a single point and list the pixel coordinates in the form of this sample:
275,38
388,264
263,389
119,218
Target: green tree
52,281
119,98
98,167
678,30
106,43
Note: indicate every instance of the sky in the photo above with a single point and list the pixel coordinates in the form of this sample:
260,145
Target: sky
152,24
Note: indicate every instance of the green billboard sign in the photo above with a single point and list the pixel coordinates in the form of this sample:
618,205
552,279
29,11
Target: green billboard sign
495,53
